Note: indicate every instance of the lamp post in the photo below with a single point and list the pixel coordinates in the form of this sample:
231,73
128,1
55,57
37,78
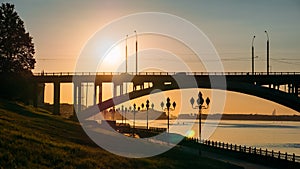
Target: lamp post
168,105
268,52
134,111
136,53
147,107
253,55
125,114
122,110
200,106
126,56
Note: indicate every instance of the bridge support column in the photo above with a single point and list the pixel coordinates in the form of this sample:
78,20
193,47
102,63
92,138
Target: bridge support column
297,89
40,94
121,89
100,93
35,95
77,96
56,101
75,101
115,90
95,94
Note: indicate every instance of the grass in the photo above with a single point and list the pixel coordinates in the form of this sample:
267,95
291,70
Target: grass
33,138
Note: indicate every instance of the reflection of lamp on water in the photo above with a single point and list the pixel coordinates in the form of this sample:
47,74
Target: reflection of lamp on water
200,106
168,105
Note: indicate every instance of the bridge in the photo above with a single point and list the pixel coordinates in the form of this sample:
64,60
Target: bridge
280,87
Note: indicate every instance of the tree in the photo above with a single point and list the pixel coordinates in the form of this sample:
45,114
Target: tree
16,56
16,46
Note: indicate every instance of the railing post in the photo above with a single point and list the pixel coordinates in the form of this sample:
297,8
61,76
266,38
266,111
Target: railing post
293,157
272,153
266,152
286,155
278,154
259,151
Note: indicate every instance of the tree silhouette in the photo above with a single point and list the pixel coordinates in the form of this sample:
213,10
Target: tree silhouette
16,57
16,46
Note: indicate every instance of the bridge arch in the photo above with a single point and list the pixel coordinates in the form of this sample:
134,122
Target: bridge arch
276,96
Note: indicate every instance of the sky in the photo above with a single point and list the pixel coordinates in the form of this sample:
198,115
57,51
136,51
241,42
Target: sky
61,29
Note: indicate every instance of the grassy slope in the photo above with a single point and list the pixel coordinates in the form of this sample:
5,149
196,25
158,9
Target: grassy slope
32,138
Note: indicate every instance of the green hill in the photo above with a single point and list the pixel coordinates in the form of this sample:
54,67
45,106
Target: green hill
33,138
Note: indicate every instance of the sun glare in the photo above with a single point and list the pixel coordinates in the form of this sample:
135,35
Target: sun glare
113,59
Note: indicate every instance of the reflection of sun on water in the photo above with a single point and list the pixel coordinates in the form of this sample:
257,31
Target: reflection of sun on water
190,133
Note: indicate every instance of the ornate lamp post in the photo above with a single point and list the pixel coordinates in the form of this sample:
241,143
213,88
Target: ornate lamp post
168,105
125,114
152,106
122,110
134,111
200,106
147,107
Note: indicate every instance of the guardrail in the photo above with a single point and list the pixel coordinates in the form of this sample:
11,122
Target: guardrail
249,150
161,73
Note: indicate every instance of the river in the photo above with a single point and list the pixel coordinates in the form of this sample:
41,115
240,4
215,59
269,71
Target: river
283,136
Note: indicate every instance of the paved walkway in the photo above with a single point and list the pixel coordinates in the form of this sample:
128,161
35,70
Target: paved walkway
239,162
235,161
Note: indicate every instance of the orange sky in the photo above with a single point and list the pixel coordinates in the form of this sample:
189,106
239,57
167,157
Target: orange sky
61,29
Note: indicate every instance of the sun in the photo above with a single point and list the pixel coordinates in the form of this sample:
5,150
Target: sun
113,59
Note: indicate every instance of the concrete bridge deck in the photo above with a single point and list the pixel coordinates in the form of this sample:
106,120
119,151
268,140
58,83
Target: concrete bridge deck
261,84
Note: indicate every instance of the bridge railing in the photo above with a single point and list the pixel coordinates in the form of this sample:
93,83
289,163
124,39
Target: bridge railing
160,73
249,150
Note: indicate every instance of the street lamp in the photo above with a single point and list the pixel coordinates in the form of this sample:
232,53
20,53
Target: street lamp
126,56
125,114
168,105
136,53
122,110
147,107
200,106
268,52
134,108
253,55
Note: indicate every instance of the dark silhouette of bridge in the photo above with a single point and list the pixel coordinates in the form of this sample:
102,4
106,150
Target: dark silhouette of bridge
280,87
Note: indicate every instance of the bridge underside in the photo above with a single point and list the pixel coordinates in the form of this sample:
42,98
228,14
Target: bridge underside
237,82
277,96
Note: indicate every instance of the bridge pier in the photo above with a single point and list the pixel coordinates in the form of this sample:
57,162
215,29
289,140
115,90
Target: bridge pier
294,89
40,94
77,97
56,99
95,94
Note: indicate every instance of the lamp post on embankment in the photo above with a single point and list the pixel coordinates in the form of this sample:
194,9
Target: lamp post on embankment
147,109
168,105
200,106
